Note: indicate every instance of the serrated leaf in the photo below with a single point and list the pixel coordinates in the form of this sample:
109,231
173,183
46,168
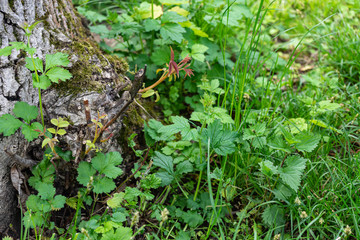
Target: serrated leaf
145,10
38,64
44,82
274,216
291,174
150,181
151,25
106,164
104,185
192,218
85,171
116,200
172,31
183,167
46,190
307,142
121,233
57,59
18,45
118,217
221,140
6,51
182,125
25,111
279,144
328,105
164,162
170,16
268,168
57,73
197,52
29,131
165,177
283,192
9,124
58,202
131,193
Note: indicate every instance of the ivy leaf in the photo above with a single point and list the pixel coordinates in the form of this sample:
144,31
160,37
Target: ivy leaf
306,142
58,202
151,25
44,82
85,171
291,174
46,190
104,185
29,131
164,162
25,111
38,64
57,59
183,167
221,140
172,31
57,73
9,124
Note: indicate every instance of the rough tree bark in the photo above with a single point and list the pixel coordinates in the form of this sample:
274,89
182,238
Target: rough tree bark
96,77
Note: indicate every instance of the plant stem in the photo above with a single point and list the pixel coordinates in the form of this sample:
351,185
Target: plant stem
163,77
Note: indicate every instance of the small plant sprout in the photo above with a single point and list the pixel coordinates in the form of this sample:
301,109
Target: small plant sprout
172,71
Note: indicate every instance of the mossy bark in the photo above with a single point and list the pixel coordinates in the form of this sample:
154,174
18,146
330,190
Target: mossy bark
97,77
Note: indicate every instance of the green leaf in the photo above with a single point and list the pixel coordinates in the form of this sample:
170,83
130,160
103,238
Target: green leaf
118,217
29,131
184,167
182,125
57,73
131,193
183,236
85,171
274,215
65,155
18,45
173,17
122,233
306,141
279,144
38,64
221,140
291,174
57,59
165,177
192,218
58,202
25,111
172,31
268,168
164,162
9,124
107,164
197,52
151,25
6,51
150,181
44,82
116,200
46,190
173,2
104,185
328,105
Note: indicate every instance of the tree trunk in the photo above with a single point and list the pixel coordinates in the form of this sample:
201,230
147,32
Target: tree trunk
96,77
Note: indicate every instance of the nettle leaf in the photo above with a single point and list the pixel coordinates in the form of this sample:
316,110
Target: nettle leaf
38,64
279,144
44,82
152,25
57,73
306,141
268,168
173,17
221,140
197,52
118,217
9,124
85,171
29,130
46,190
192,218
291,174
222,114
274,215
172,31
297,125
103,185
328,105
57,59
183,167
165,177
25,111
164,162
